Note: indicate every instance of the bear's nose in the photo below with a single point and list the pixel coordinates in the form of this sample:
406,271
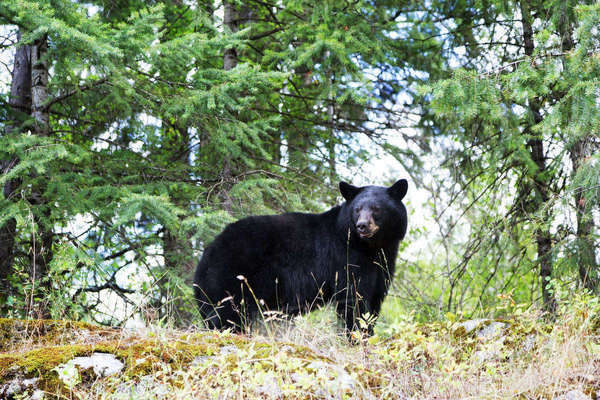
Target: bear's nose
361,226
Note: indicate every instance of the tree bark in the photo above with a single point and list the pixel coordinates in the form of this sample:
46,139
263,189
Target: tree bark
20,107
42,240
536,150
331,117
39,86
579,151
230,19
177,250
586,249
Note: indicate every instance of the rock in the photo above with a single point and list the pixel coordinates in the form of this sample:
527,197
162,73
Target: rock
329,381
17,386
492,329
573,395
492,351
470,325
200,360
483,328
483,356
228,349
37,395
103,364
339,378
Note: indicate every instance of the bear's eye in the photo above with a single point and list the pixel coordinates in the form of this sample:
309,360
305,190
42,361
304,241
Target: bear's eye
375,212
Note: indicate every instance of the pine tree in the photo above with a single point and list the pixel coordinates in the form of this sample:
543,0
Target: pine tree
518,144
137,110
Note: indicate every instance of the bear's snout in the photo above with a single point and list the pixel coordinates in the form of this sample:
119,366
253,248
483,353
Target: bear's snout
366,226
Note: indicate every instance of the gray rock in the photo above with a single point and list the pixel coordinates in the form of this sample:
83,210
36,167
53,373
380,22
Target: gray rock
228,349
200,360
340,379
37,395
483,356
470,325
17,386
483,328
103,364
491,329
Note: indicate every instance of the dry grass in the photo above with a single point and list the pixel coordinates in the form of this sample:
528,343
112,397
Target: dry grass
531,358
528,358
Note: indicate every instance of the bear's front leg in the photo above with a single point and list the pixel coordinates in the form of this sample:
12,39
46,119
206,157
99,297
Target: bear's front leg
356,299
356,313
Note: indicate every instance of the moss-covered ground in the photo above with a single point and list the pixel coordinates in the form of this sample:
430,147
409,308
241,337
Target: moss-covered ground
523,356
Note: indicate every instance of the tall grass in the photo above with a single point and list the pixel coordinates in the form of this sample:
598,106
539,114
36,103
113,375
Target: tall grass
532,356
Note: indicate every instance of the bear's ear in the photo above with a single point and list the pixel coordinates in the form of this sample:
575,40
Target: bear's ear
398,189
348,191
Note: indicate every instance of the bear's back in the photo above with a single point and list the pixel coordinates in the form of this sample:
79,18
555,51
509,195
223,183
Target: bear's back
257,242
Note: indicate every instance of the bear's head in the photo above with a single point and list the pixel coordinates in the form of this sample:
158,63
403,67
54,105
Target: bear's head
376,213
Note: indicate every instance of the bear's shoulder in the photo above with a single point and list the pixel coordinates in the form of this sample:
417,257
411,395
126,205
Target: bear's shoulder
286,222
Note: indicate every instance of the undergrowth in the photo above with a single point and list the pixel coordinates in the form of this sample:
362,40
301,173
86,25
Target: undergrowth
526,355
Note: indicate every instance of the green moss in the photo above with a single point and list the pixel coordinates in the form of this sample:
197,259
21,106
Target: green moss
40,363
210,364
141,357
15,332
47,338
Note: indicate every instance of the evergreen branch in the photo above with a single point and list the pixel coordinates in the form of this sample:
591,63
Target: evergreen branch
532,59
120,253
168,25
87,86
334,103
265,34
159,79
347,127
272,5
269,9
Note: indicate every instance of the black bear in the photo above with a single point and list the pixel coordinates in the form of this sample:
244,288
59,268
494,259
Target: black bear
294,262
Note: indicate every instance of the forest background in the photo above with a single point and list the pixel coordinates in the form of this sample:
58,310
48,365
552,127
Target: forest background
132,131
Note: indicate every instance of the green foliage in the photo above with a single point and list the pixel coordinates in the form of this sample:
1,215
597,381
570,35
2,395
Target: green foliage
518,129
153,147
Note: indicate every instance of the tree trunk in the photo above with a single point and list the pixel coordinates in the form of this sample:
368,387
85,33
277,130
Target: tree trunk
230,60
580,150
39,86
331,119
20,107
586,249
177,250
536,150
42,240
230,19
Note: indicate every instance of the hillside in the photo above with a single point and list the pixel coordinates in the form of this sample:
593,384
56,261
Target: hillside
521,357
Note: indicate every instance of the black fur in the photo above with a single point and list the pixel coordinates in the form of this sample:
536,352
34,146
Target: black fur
294,262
